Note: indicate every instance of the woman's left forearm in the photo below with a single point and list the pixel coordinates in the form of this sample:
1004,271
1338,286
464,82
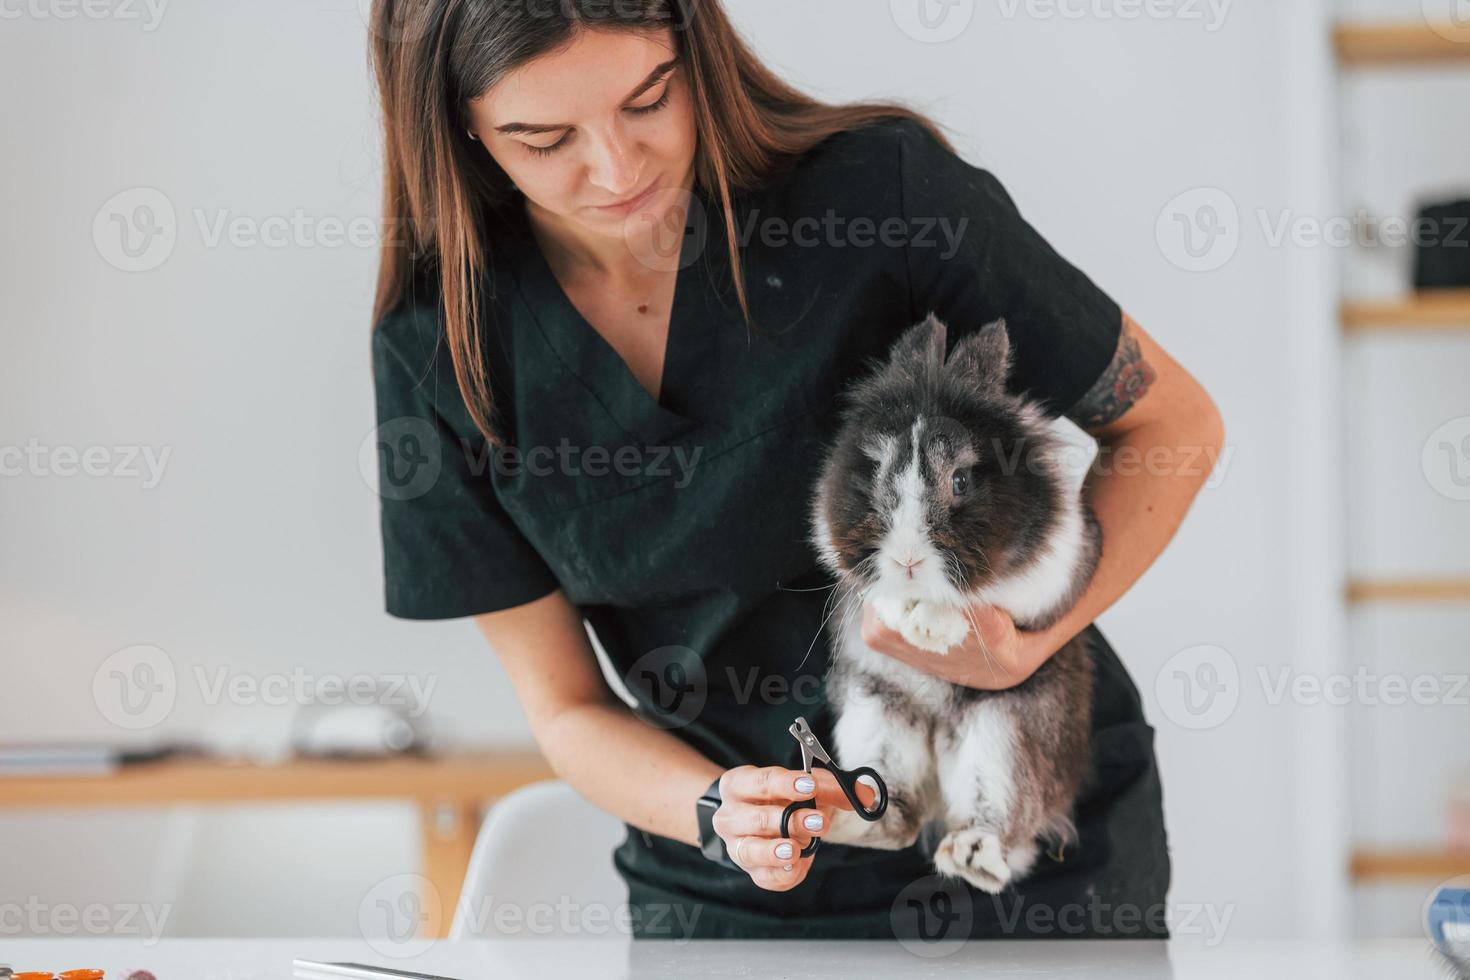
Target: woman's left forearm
1140,486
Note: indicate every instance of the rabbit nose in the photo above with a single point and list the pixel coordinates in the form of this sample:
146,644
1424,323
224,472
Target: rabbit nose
909,564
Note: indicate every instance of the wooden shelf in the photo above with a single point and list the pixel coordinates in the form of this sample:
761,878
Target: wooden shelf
1369,45
1406,45
447,790
466,777
1360,591
1440,309
1408,865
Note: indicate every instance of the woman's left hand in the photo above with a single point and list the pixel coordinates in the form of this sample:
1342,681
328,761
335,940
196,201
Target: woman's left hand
994,654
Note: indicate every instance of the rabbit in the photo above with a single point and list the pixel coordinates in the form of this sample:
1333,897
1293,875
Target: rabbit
941,490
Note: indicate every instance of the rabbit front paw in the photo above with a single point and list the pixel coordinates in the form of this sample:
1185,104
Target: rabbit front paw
935,627
892,609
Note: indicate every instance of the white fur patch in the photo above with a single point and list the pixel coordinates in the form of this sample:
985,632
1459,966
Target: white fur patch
880,448
865,736
979,771
908,531
923,687
906,538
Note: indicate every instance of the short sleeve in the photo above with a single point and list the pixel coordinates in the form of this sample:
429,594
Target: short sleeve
449,548
980,260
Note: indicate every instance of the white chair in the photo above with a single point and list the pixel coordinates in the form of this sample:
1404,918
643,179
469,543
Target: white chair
540,851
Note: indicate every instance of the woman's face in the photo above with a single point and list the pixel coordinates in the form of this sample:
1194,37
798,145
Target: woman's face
596,123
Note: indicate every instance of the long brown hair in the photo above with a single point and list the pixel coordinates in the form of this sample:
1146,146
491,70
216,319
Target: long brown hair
441,191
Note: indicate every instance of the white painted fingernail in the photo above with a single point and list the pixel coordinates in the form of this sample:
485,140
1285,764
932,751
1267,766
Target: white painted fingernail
813,822
783,851
786,868
805,784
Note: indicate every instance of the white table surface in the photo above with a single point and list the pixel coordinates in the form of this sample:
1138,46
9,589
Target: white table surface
554,959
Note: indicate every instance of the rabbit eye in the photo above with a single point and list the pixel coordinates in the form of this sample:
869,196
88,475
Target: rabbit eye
960,482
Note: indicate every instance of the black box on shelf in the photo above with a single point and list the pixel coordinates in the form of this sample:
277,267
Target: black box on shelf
1442,246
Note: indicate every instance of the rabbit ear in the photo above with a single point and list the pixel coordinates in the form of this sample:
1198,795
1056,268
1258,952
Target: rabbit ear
921,345
984,357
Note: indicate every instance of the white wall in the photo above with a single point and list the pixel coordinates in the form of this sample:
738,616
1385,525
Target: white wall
258,550
259,547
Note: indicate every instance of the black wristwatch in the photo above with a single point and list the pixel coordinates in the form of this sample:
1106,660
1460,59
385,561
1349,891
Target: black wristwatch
711,844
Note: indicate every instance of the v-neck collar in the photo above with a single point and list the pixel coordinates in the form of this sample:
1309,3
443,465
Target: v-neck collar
690,345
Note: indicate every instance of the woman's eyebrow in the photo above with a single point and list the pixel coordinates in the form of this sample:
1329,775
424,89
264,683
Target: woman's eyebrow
643,86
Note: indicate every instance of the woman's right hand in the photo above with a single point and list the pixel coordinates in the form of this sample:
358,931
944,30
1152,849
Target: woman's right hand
752,799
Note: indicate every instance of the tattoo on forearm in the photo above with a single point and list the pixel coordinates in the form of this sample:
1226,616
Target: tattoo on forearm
1125,381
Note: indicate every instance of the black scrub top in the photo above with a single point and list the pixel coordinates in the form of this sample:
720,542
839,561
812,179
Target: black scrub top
679,525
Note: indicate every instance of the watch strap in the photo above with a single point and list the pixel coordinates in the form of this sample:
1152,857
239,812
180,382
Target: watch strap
711,844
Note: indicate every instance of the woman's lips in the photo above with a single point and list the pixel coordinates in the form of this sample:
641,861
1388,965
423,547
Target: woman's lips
631,205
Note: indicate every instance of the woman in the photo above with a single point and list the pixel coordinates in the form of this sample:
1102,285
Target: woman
651,266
